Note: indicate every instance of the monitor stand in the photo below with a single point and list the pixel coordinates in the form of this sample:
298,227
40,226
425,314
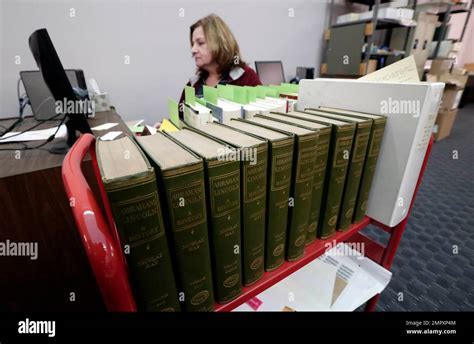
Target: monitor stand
74,122
59,147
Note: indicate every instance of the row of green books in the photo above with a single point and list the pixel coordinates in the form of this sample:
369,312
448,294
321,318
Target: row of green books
206,211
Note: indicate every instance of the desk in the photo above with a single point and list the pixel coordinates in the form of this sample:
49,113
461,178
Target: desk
34,208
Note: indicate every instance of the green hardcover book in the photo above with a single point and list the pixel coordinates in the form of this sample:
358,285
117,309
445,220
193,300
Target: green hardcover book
180,174
375,141
320,170
130,183
342,137
223,208
280,163
304,162
356,165
253,155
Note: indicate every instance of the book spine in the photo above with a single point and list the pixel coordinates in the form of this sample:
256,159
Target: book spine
223,186
318,184
254,191
341,145
138,217
356,165
279,184
186,209
375,142
302,189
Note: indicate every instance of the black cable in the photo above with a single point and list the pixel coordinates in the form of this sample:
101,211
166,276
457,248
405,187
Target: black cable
31,128
49,139
22,105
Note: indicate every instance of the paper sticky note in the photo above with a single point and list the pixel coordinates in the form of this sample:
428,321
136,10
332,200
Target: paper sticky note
210,94
254,302
173,112
201,101
189,95
167,126
260,92
240,95
151,129
270,92
251,93
289,88
226,92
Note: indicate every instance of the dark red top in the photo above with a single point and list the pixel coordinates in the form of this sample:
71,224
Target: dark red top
240,76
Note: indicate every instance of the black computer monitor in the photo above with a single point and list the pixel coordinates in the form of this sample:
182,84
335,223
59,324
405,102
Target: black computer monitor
270,72
55,77
40,98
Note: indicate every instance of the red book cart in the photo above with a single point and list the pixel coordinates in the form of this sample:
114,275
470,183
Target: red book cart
100,239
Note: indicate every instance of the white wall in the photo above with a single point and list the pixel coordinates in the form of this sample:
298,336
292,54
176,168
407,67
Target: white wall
156,38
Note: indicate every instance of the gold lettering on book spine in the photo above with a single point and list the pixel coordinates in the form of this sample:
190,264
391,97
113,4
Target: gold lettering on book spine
138,211
224,193
281,171
254,179
361,142
375,143
181,216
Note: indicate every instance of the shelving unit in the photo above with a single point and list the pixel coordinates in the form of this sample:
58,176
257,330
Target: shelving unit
100,239
359,66
444,11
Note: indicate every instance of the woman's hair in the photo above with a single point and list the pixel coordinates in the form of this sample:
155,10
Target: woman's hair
221,42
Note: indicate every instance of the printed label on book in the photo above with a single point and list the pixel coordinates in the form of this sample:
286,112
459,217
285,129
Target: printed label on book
138,211
187,205
200,297
342,144
255,180
375,144
361,142
306,160
281,175
225,192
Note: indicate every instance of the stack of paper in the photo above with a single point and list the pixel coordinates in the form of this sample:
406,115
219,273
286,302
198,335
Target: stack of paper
340,280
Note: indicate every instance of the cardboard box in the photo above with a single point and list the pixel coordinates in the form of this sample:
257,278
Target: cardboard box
459,71
431,77
457,80
451,98
372,67
457,46
440,66
469,67
444,124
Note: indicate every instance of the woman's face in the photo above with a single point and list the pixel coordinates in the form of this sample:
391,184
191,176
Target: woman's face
201,53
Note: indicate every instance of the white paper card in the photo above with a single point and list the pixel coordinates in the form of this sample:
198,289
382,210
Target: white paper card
34,135
111,135
105,126
151,129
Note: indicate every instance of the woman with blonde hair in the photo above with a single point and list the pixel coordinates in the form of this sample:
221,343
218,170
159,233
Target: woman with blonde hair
217,57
